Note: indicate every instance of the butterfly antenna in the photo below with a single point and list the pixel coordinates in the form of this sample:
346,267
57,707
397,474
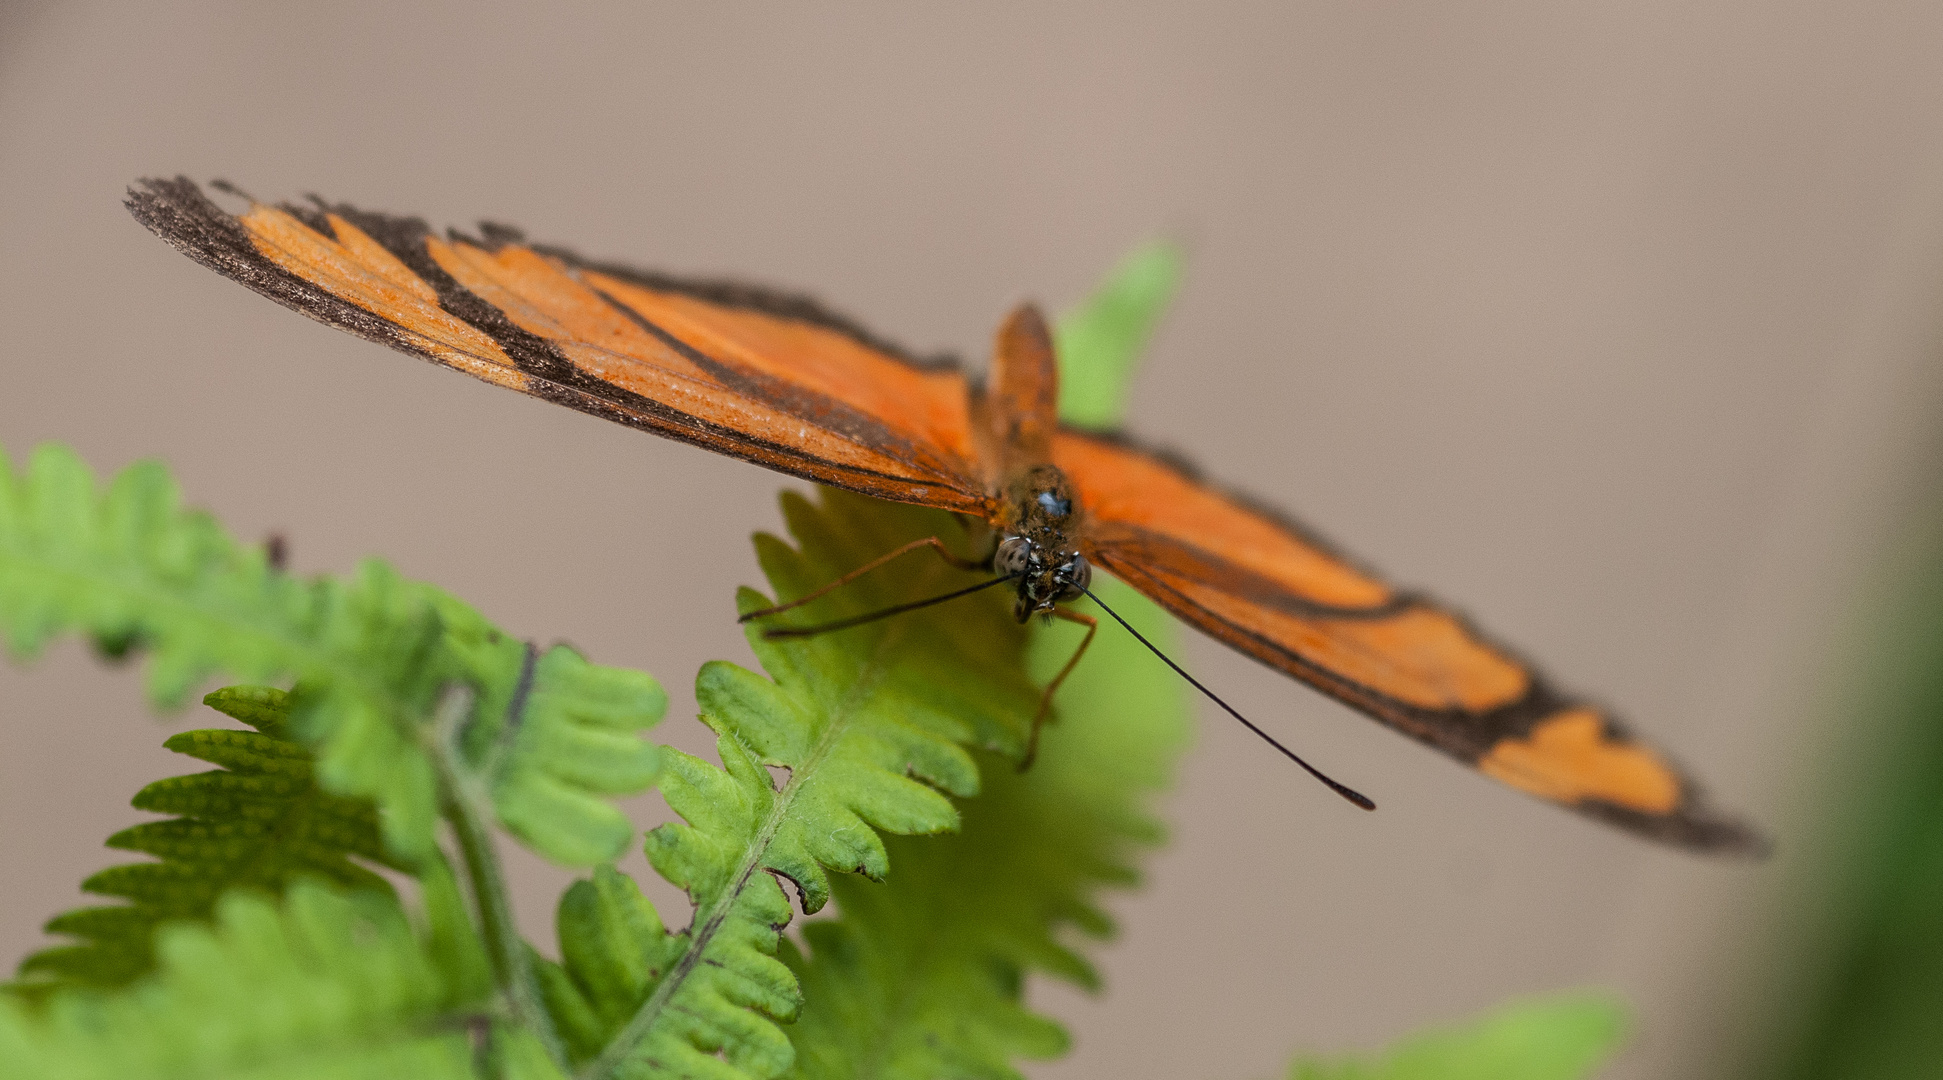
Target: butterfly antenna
1346,792
885,613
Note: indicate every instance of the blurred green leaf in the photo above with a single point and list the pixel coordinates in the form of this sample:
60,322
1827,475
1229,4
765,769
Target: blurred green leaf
1564,1037
1853,986
1100,343
131,567
319,987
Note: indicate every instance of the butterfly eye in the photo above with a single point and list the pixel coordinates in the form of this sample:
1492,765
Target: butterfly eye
1013,556
1076,576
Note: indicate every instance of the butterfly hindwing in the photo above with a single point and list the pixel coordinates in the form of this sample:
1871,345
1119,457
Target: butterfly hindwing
1272,591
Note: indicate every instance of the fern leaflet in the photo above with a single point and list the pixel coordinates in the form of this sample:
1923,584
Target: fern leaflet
260,822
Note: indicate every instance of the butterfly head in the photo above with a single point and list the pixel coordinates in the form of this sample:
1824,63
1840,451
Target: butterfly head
1046,574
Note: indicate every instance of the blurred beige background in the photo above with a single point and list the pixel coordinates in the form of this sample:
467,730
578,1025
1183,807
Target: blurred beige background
1613,323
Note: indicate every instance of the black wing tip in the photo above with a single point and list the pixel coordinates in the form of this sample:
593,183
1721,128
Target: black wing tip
149,197
1724,835
184,216
1692,826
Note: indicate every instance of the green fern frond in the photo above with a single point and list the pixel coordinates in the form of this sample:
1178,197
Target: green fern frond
260,822
1562,1037
921,976
873,726
132,568
872,722
320,987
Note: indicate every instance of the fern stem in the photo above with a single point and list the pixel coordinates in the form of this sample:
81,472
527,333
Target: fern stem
464,810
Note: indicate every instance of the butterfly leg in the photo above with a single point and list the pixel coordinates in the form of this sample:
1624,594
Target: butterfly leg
1045,699
931,542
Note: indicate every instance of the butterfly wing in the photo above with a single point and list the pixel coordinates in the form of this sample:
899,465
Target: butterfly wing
1264,586
758,375
781,382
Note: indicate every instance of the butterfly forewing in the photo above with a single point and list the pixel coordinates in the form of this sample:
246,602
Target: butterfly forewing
769,379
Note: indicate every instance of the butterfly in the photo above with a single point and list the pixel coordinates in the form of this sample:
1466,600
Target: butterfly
779,380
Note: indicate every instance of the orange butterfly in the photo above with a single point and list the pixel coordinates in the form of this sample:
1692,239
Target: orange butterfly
780,381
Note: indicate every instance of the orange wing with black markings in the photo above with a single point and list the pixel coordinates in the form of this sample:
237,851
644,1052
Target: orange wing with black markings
1266,587
757,375
779,381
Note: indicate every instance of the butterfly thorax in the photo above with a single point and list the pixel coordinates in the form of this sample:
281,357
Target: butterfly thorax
1040,518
